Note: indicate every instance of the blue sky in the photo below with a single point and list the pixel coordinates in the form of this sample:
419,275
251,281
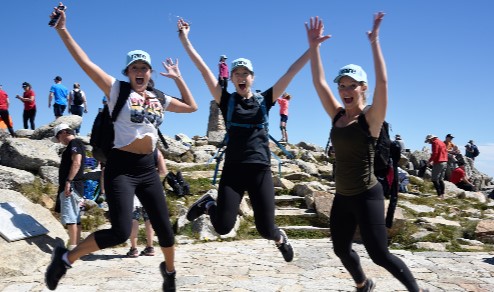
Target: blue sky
438,55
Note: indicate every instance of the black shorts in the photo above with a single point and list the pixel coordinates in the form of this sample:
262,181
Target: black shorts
284,118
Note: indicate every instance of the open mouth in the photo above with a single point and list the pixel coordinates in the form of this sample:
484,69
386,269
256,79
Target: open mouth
242,86
139,80
348,100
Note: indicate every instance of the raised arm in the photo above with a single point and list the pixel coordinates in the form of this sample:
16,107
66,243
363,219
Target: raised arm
188,103
280,86
315,30
207,74
100,77
377,112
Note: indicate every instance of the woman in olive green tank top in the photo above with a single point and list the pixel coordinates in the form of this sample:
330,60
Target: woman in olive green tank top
359,198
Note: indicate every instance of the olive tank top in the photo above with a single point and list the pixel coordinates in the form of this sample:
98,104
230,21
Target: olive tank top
354,163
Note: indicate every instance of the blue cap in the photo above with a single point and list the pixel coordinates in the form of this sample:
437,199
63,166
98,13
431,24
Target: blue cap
137,55
354,71
242,62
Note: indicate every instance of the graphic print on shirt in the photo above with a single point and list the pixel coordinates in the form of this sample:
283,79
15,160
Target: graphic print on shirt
149,110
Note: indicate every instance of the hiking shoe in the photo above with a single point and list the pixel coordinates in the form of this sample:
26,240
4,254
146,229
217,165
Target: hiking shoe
368,287
168,279
285,247
199,207
56,269
148,251
133,252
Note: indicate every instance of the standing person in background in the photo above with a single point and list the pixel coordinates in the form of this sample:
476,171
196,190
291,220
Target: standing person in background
70,182
471,150
359,197
77,102
28,98
58,92
400,142
284,102
247,165
130,167
223,72
4,111
438,161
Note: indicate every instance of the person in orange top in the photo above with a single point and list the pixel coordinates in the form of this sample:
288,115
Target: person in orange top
284,102
4,111
438,161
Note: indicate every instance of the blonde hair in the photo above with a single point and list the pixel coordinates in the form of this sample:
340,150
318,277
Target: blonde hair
286,95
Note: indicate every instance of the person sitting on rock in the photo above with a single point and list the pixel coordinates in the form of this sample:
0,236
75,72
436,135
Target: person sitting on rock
460,178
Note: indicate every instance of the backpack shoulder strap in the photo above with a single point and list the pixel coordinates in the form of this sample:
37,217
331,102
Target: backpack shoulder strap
122,98
229,111
338,116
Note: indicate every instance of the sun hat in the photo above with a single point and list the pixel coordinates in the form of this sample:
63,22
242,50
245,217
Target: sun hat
429,137
354,71
57,129
242,62
137,55
450,136
223,57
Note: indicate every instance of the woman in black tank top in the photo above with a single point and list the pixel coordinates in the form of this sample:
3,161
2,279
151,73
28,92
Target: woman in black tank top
359,201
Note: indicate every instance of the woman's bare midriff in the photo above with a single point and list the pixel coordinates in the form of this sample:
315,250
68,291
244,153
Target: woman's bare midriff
139,146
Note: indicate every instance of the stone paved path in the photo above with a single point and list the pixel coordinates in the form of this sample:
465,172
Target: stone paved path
256,265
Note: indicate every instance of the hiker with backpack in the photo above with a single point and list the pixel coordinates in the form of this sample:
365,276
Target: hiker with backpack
359,198
77,102
471,150
130,166
247,165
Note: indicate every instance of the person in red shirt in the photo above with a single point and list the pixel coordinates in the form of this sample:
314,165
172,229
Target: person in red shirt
4,111
284,102
223,72
438,161
28,98
460,178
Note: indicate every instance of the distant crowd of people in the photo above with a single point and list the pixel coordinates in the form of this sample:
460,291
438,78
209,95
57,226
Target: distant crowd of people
447,162
59,97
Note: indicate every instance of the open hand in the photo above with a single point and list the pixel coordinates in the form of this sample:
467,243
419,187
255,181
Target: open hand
315,31
374,34
172,69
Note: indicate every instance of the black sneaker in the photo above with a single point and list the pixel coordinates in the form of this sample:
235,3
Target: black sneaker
285,247
199,207
169,279
57,268
368,287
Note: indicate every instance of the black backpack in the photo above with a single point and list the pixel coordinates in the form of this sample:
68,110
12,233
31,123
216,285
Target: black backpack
77,97
102,132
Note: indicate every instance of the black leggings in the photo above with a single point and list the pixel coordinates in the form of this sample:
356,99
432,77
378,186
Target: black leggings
365,210
257,181
28,116
127,174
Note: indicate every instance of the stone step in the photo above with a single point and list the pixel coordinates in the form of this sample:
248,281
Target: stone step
305,228
288,198
295,212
